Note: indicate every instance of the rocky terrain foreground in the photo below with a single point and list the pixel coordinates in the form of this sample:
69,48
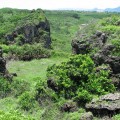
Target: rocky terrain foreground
102,55
106,105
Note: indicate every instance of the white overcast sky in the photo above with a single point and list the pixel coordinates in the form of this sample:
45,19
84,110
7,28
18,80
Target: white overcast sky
59,4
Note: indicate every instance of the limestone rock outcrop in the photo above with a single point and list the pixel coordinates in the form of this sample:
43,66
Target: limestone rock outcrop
83,45
87,116
35,30
106,105
100,51
2,63
69,106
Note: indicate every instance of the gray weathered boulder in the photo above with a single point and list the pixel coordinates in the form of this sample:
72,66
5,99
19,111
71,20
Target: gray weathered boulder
69,106
83,45
87,116
51,84
103,57
106,105
80,47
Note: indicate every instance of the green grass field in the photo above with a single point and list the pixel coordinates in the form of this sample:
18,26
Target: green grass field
30,70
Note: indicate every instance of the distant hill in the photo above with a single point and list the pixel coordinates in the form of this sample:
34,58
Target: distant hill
94,9
113,9
106,10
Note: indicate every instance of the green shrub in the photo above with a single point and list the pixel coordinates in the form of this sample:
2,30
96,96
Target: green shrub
110,29
40,87
5,87
5,48
73,116
114,20
116,50
18,87
116,117
83,96
29,52
77,79
26,101
43,92
13,115
75,15
20,40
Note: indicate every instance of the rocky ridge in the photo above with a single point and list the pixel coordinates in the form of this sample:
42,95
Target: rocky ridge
99,49
102,55
32,28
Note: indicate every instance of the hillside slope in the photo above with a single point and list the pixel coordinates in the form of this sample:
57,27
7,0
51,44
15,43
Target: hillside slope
47,89
24,26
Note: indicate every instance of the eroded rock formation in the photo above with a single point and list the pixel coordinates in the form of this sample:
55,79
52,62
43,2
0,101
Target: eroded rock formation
3,71
106,105
87,116
83,45
32,32
102,55
69,106
2,63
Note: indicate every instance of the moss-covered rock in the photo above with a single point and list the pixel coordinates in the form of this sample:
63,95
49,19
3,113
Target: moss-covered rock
24,26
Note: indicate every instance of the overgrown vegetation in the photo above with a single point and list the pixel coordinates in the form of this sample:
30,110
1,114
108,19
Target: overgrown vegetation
17,26
110,26
12,18
64,26
5,87
14,115
26,52
76,77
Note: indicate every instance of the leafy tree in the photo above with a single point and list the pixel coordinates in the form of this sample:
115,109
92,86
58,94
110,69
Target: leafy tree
75,15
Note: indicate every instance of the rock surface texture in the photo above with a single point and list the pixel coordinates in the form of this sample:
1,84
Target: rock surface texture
106,105
98,45
83,45
30,32
69,106
87,116
2,63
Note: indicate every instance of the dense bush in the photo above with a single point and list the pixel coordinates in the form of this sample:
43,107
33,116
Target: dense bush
116,117
110,26
43,93
20,40
77,79
19,86
16,87
110,29
75,15
26,52
5,48
26,101
13,115
40,88
5,87
114,20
